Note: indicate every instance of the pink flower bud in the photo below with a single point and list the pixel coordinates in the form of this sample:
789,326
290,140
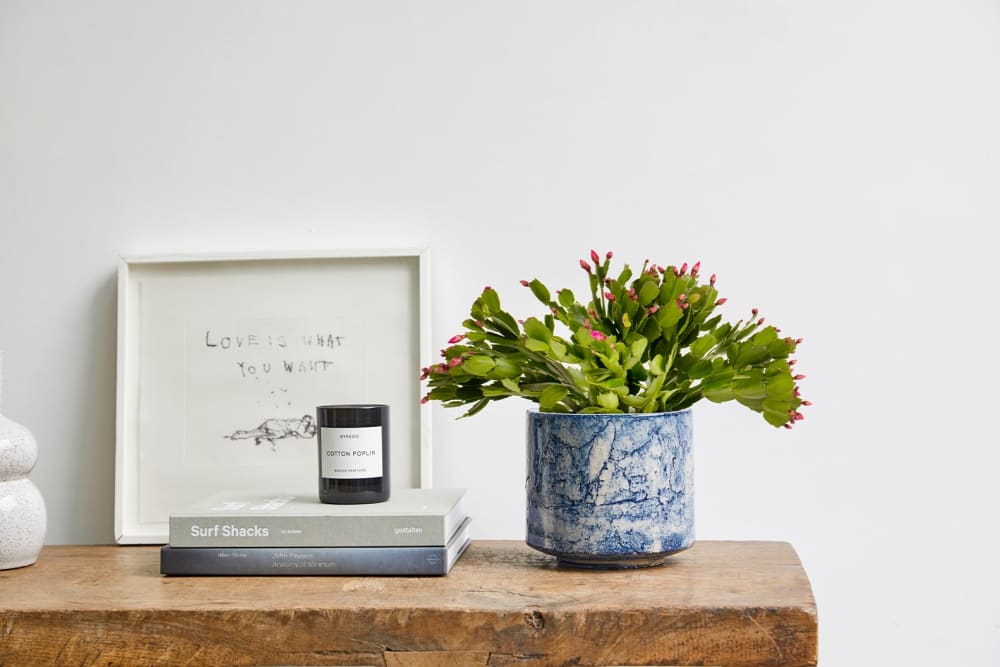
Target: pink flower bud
525,283
807,403
760,321
586,323
721,301
585,266
455,361
632,294
592,313
595,257
609,296
788,426
597,335
684,268
609,255
798,341
684,306
682,297
800,376
792,362
424,400
754,312
487,288
555,311
653,309
711,280
457,338
695,269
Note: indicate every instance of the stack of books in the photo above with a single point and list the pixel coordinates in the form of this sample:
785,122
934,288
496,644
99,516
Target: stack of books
417,532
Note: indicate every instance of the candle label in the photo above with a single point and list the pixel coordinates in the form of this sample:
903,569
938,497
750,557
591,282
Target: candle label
351,453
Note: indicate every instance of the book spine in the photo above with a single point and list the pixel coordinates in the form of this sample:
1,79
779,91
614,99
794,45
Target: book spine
345,561
307,531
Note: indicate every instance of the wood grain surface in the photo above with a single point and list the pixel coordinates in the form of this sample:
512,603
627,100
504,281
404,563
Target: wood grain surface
719,603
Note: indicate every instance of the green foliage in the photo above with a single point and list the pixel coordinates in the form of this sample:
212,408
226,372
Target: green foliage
643,343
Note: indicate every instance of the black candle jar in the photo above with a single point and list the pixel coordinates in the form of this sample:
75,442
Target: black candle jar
353,453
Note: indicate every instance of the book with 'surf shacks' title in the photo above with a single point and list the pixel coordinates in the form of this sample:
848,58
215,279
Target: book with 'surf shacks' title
410,518
312,561
415,532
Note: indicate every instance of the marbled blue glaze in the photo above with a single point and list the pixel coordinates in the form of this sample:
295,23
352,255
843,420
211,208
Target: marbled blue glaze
609,487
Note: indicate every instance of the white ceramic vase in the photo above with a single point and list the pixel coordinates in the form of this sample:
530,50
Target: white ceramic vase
22,508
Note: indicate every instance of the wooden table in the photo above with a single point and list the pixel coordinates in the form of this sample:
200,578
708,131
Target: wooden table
719,603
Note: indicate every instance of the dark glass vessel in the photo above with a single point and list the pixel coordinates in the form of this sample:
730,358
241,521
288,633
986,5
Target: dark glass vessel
353,453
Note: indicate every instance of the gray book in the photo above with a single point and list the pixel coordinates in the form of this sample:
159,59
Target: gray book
410,518
315,561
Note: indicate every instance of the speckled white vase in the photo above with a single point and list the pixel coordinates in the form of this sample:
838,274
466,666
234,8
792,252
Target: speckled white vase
22,508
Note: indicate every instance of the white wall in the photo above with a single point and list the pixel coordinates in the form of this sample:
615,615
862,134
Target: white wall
837,164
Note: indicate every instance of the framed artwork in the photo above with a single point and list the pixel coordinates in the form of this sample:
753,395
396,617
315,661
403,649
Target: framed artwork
222,361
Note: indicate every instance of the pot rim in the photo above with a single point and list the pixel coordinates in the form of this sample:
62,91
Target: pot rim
533,410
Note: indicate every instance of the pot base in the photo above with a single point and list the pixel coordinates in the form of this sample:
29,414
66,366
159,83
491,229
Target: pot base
611,561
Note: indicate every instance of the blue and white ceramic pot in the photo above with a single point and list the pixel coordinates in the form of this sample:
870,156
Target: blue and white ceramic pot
610,491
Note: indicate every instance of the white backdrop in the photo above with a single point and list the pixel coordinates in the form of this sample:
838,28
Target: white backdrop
836,164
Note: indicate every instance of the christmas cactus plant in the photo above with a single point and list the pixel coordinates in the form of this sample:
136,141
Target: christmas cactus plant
644,342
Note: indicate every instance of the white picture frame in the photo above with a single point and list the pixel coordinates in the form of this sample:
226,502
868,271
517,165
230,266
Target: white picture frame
210,347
